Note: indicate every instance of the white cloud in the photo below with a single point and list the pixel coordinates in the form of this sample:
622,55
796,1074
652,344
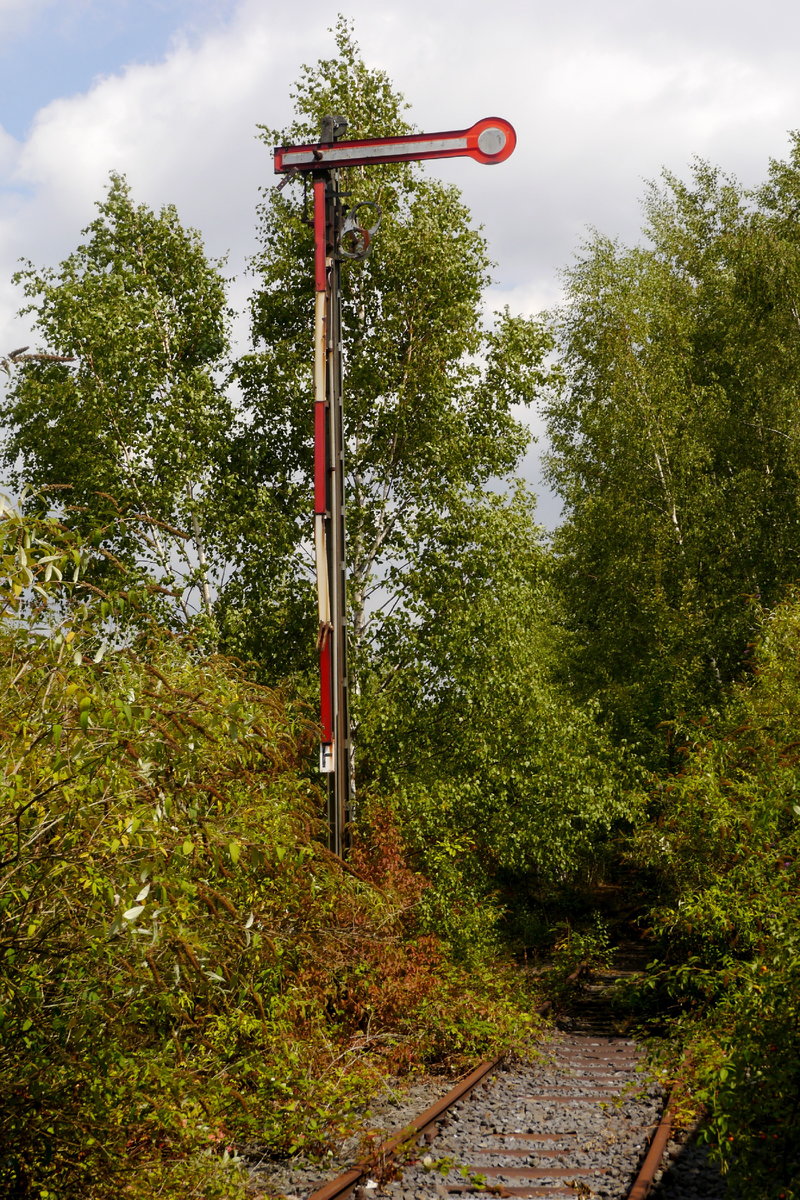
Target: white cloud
601,95
182,130
9,149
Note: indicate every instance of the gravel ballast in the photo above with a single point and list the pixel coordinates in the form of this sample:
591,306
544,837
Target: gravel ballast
575,1122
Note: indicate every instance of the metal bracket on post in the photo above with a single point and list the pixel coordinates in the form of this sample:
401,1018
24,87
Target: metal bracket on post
355,237
339,234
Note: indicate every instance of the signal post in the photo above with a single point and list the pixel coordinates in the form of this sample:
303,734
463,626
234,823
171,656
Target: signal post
346,234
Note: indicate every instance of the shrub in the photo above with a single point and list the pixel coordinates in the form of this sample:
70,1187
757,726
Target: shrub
184,969
726,845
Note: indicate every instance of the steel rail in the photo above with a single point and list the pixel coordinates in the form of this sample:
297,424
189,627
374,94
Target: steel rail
348,1180
655,1152
344,1183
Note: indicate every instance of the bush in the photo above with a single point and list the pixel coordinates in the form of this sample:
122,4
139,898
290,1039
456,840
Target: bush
184,969
726,844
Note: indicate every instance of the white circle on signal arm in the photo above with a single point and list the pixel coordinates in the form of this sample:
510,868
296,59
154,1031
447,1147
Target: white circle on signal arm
491,140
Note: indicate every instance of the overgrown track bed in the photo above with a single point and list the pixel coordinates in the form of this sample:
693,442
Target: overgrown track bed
575,1122
584,1117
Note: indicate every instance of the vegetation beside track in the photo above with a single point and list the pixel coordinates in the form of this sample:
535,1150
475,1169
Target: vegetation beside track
724,844
184,968
675,429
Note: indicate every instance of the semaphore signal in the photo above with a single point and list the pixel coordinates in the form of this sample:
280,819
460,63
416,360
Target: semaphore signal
489,141
341,233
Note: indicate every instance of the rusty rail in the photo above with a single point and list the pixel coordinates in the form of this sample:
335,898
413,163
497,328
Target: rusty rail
344,1183
652,1160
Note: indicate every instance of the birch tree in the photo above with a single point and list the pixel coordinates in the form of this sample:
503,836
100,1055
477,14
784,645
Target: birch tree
676,439
122,415
430,388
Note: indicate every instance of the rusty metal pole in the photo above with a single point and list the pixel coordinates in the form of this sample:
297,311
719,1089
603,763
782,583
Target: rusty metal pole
329,509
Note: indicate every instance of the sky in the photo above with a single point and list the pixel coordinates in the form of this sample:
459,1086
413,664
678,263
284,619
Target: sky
603,95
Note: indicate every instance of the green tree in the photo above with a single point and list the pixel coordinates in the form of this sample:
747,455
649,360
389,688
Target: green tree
429,390
133,426
497,774
455,711
675,442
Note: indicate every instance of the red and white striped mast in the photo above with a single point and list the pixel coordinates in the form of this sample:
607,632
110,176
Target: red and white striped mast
337,235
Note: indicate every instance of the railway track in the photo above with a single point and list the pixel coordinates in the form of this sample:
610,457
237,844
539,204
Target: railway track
577,1122
584,1118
